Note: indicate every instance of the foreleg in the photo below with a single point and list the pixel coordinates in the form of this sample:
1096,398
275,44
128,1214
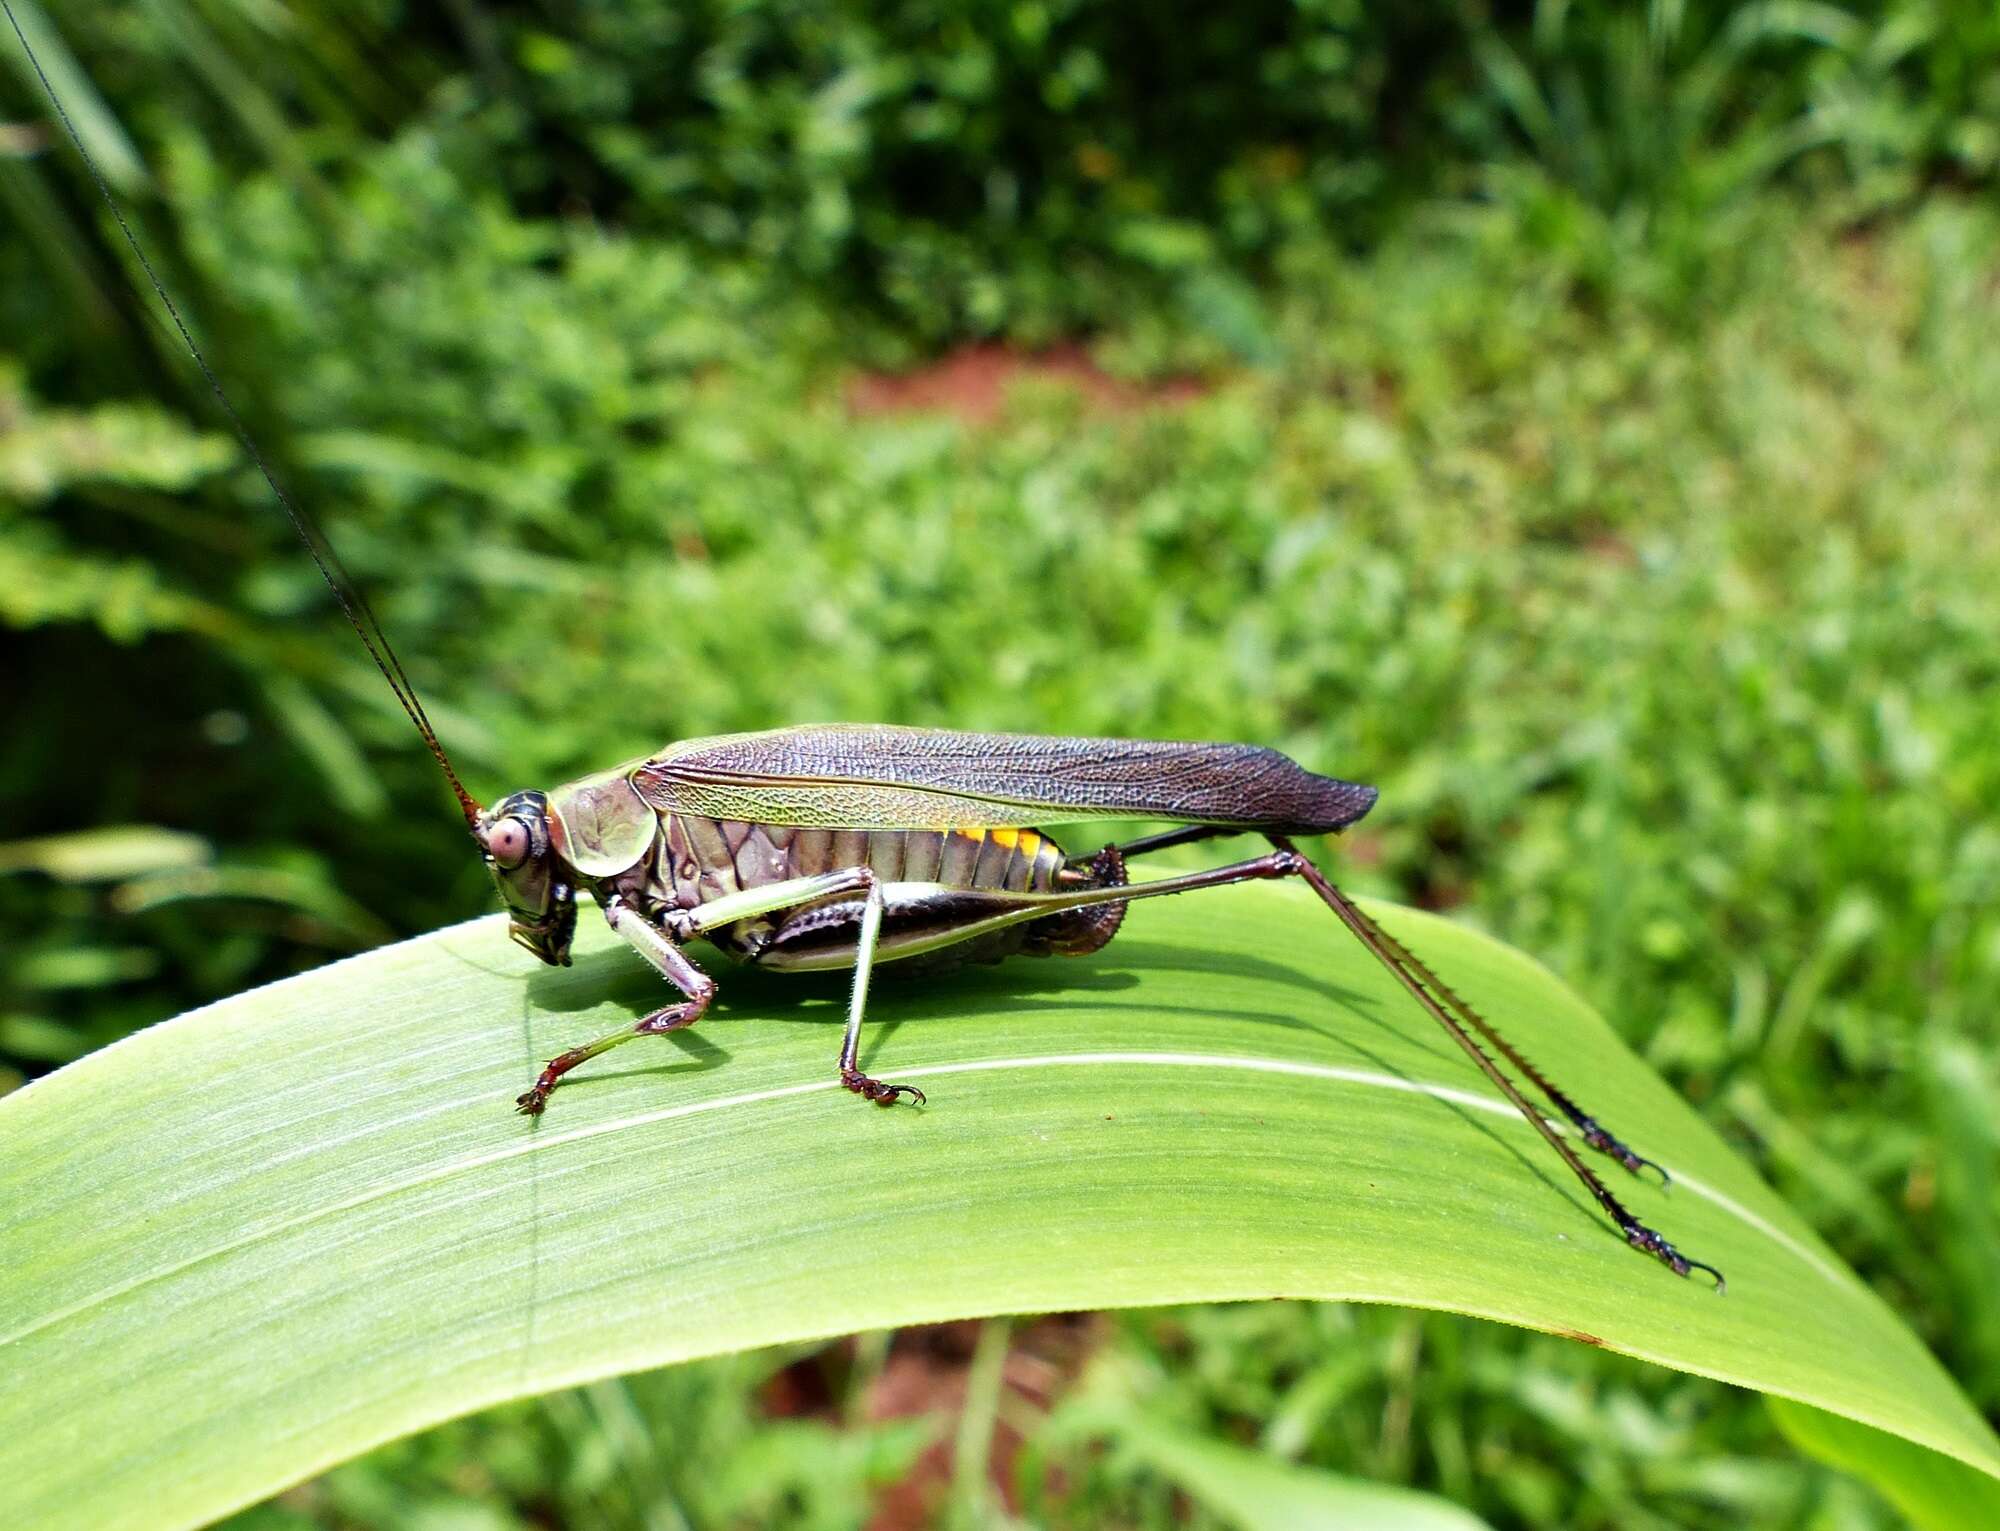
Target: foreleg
674,965
662,948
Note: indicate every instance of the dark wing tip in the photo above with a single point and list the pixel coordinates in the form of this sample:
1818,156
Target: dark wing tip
1261,788
1345,803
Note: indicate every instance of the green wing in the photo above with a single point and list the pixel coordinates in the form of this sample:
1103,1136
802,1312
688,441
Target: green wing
872,776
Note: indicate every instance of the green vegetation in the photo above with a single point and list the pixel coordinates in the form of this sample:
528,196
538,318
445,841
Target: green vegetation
1596,453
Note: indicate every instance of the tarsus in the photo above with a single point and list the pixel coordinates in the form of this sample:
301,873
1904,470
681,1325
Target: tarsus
353,604
1591,1130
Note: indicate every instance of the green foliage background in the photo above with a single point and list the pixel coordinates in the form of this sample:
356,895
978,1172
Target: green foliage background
1597,453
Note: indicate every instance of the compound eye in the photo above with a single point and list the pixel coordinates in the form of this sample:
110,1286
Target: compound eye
508,843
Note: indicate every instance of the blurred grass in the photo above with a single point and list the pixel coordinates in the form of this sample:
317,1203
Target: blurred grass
1620,501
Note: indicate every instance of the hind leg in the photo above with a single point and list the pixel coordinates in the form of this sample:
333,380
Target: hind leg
1425,988
1593,1132
1079,932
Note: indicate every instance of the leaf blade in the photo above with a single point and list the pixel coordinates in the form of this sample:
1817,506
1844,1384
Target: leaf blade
255,1240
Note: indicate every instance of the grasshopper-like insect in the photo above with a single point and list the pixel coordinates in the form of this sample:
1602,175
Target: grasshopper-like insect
842,845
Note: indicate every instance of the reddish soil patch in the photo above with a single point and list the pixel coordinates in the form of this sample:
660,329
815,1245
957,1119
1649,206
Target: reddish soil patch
971,382
925,1375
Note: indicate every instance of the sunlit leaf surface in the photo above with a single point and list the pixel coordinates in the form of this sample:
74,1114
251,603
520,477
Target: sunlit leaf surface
262,1237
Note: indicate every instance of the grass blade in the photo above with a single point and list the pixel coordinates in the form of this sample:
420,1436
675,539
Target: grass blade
96,124
1256,1493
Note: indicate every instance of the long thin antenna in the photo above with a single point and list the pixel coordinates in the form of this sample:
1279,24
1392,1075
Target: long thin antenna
353,604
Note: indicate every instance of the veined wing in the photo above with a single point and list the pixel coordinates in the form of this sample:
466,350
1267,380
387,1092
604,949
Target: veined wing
873,776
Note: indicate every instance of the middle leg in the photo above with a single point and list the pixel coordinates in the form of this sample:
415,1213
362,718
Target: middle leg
857,1006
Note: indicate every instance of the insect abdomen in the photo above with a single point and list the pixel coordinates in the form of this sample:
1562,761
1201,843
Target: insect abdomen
708,858
1009,860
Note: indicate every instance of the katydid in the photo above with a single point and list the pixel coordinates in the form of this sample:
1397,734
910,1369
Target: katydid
845,845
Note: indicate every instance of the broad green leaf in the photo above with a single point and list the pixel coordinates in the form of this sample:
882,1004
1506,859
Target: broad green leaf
255,1240
1934,1492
